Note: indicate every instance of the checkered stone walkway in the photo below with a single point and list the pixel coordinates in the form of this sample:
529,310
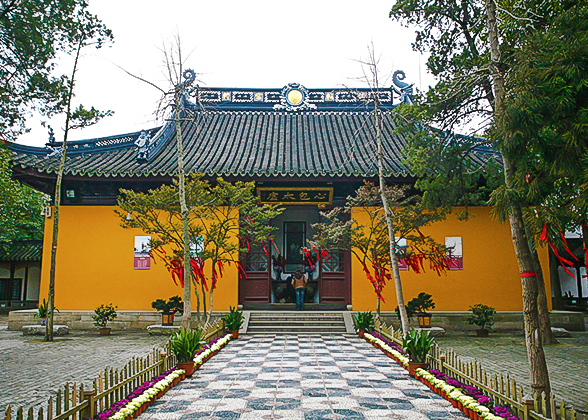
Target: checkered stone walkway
304,377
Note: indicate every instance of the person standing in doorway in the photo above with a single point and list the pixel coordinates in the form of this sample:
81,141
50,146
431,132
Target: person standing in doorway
299,284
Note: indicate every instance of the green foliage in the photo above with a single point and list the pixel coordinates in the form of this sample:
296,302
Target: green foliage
545,122
482,316
364,321
42,310
452,34
217,213
104,314
233,320
541,128
184,344
20,208
82,117
422,303
417,344
174,304
33,34
419,304
370,243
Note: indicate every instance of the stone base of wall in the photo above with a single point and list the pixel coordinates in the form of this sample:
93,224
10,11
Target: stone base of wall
504,321
140,320
82,320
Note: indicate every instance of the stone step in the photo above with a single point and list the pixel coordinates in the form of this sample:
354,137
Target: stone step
293,322
272,329
296,322
295,318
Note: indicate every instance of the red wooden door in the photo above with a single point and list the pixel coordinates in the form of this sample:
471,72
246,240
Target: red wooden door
335,278
254,287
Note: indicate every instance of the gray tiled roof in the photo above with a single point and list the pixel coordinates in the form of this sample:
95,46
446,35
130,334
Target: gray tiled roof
27,251
243,143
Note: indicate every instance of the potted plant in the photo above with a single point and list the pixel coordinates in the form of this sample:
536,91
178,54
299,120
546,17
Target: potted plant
483,317
416,344
103,314
233,321
42,312
168,309
420,305
184,344
279,263
364,321
310,265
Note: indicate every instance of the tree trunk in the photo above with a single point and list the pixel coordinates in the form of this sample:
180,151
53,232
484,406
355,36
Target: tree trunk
393,258
187,315
555,282
544,321
537,364
57,204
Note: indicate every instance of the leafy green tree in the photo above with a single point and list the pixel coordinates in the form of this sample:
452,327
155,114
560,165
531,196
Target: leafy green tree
473,56
33,34
547,116
91,33
217,215
20,208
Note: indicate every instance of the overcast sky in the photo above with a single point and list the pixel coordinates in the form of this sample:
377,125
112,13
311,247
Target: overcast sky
243,44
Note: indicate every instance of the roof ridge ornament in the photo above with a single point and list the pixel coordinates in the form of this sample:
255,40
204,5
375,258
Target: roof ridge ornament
294,97
142,143
403,89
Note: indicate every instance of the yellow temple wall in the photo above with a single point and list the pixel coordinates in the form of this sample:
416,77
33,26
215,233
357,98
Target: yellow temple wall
490,272
95,265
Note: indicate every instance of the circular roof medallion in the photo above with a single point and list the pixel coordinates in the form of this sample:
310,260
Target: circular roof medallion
295,96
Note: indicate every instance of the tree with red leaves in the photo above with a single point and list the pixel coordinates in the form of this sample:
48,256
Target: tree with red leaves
218,214
370,242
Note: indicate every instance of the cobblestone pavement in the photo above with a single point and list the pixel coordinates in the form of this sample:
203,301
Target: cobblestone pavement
507,354
30,368
304,377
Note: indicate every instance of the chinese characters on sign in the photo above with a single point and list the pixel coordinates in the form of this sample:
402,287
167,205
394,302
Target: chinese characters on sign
294,195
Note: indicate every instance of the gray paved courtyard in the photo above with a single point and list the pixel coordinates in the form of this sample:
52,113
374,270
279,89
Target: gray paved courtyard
506,353
31,368
304,377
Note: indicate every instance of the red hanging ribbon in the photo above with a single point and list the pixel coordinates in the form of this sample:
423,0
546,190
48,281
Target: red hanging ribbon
544,236
275,246
566,246
563,261
242,269
528,274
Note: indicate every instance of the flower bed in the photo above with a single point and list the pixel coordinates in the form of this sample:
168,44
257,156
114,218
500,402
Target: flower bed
391,349
137,401
211,349
469,399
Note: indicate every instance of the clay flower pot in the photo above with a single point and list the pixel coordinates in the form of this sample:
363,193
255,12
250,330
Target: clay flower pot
188,367
104,331
413,366
482,333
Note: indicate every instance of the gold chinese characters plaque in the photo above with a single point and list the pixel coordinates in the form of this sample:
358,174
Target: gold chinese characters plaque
296,195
